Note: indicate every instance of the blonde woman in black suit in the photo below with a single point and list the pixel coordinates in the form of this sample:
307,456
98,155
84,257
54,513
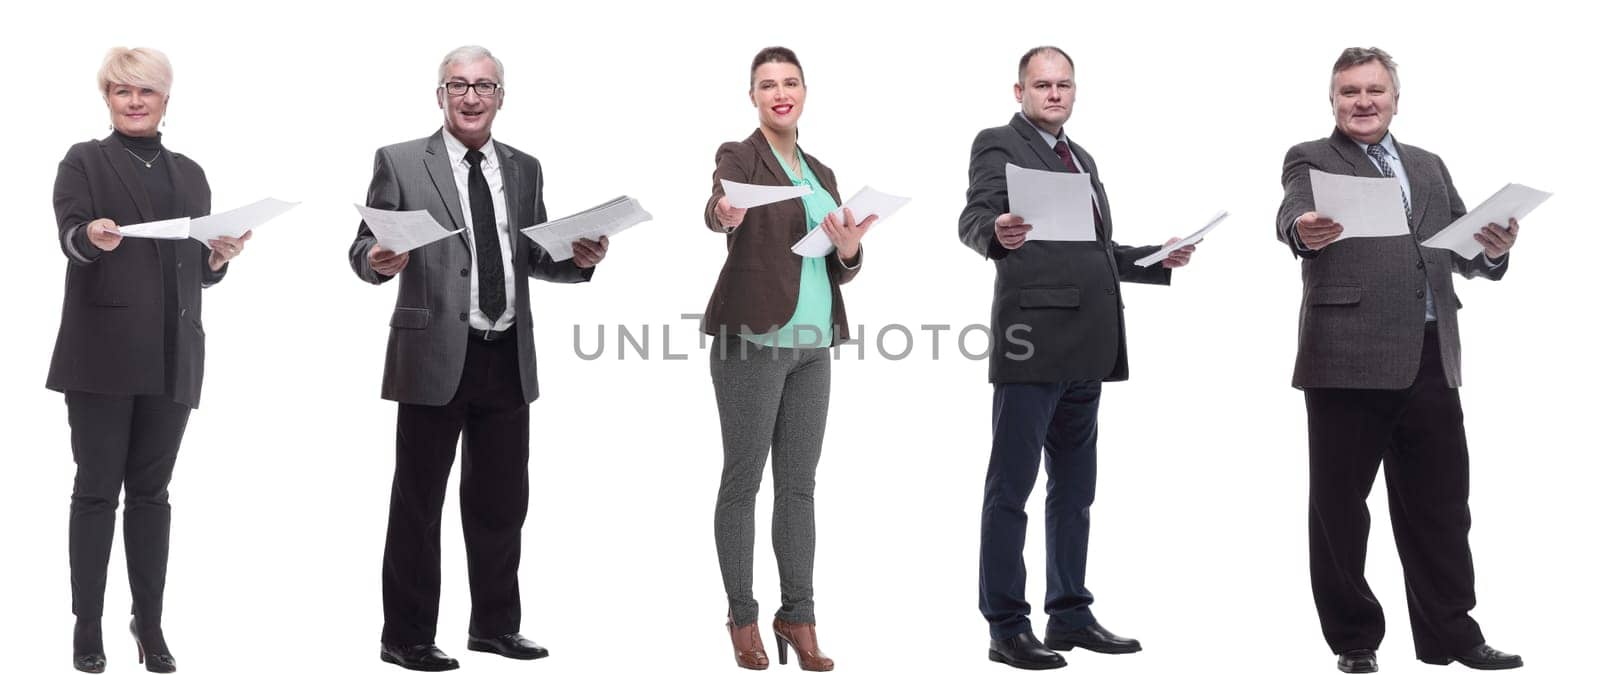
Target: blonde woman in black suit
130,351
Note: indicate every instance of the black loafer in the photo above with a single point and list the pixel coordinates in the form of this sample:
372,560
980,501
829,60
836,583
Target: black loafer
1024,651
1358,661
417,657
1481,657
89,663
1093,637
510,645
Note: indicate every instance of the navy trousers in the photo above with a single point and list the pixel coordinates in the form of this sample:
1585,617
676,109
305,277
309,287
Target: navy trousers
1061,419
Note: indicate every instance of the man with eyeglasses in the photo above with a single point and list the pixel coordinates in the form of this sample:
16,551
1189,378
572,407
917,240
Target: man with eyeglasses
461,361
1057,330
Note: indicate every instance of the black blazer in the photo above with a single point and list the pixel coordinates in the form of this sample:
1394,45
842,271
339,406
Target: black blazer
112,328
760,280
1057,312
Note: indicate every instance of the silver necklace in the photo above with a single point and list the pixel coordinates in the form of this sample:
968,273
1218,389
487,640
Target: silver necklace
147,162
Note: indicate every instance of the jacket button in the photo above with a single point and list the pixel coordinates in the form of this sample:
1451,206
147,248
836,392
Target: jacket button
463,316
1419,264
464,271
1419,295
180,264
1110,292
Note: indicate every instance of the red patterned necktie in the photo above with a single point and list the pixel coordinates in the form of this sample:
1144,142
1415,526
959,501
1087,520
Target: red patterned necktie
1065,154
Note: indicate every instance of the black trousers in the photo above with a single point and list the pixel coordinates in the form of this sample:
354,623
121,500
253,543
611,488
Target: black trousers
490,418
1417,435
121,444
1061,418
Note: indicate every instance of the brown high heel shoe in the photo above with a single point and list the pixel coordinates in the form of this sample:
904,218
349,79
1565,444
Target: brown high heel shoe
747,649
803,636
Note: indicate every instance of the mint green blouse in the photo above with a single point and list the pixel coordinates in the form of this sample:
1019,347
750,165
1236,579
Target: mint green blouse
812,323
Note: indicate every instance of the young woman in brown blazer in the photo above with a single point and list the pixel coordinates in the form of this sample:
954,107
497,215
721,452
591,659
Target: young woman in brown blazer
774,315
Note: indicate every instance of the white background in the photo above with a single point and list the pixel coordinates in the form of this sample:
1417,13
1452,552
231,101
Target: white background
1199,544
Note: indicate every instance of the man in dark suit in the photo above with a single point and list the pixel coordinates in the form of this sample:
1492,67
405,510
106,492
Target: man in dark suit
1380,361
461,359
1057,330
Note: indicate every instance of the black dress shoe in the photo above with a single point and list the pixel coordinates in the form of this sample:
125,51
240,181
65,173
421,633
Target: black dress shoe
1024,651
88,651
510,645
89,663
153,651
1481,657
1093,637
417,657
1358,661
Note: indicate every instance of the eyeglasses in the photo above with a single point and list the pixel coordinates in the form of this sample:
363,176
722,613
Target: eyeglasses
484,89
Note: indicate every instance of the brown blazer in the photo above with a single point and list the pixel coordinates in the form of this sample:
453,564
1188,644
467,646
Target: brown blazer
760,280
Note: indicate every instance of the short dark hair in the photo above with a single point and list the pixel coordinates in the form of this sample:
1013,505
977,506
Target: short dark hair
1022,66
1357,56
775,55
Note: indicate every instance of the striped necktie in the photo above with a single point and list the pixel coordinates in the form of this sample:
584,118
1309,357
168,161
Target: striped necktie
1378,153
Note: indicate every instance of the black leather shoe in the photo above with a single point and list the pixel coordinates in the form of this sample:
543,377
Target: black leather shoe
510,645
89,663
1024,651
417,657
153,652
1093,637
1358,661
88,650
1482,657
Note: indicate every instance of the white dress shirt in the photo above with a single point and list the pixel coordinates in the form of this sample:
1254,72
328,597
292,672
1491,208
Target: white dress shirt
491,173
1094,199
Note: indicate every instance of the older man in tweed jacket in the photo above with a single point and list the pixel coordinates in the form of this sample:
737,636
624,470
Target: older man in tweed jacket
1380,361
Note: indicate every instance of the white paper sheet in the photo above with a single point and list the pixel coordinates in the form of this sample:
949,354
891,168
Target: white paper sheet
1366,207
745,196
402,231
1195,238
865,203
1511,201
1059,205
236,222
605,220
175,228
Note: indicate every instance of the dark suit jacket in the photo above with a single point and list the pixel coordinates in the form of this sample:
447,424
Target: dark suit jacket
428,331
1362,302
1057,312
113,333
760,280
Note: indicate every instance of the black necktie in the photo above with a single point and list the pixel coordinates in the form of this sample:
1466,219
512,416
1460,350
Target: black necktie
486,237
1065,154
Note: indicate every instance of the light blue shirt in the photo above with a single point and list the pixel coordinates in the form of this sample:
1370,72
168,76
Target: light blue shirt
1392,156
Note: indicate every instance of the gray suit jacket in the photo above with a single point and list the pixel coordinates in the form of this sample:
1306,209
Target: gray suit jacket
1057,312
1362,303
428,331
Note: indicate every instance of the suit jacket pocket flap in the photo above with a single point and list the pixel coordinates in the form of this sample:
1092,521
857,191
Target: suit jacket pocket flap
409,317
1334,295
1065,296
